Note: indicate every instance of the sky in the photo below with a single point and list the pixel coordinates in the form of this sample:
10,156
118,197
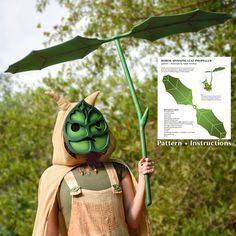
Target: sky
19,34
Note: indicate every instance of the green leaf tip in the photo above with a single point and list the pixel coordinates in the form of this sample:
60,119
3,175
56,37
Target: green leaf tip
214,70
218,69
157,27
207,119
76,48
179,91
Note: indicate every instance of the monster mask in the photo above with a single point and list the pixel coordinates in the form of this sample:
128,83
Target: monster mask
85,130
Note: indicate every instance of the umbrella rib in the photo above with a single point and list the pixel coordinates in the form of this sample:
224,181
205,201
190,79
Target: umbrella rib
85,47
44,58
85,53
193,26
174,24
194,14
38,54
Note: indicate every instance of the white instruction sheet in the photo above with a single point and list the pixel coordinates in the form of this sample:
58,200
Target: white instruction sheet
194,95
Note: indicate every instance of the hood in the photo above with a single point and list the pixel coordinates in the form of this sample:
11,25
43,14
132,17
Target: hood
60,154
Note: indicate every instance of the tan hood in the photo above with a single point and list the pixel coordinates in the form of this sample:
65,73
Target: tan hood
60,155
63,162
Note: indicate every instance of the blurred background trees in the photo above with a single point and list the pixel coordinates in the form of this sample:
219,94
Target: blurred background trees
194,188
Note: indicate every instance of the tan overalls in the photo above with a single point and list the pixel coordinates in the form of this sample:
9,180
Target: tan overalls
97,213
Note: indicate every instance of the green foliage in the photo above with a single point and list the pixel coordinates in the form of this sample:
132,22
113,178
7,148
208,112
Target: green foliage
193,188
26,128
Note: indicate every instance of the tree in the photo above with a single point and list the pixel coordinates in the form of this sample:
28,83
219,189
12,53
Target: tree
25,151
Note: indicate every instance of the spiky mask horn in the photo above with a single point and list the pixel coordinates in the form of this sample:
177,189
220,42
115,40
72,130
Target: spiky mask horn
61,102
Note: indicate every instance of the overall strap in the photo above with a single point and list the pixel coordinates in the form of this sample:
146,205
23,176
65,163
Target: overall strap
113,177
75,189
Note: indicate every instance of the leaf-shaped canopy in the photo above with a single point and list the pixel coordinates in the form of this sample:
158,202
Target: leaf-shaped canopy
151,29
207,119
157,27
181,93
216,69
75,48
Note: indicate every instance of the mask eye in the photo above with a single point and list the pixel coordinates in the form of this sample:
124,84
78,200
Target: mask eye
98,123
75,127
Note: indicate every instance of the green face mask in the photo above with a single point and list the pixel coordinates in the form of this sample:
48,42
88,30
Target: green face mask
85,130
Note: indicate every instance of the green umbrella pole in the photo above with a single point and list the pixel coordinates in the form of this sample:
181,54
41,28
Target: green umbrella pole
211,77
142,118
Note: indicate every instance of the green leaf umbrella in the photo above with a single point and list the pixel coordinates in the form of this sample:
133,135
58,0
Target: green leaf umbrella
153,28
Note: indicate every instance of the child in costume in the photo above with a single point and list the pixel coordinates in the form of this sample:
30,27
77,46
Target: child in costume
84,192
